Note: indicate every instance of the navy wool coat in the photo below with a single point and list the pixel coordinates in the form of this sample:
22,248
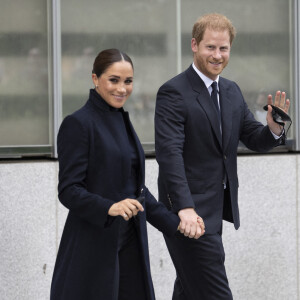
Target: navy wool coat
94,165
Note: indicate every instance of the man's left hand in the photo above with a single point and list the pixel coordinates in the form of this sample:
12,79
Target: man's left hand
281,103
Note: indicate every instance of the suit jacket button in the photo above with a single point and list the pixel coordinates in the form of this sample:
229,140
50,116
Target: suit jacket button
225,157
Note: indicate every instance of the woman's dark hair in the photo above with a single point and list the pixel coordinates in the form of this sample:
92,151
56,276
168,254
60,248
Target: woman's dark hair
106,58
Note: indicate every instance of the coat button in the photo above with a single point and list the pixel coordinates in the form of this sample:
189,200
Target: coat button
225,157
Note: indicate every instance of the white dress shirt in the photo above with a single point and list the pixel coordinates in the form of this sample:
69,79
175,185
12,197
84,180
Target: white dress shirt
207,81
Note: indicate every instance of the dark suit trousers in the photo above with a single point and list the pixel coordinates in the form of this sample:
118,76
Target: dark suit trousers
130,274
200,267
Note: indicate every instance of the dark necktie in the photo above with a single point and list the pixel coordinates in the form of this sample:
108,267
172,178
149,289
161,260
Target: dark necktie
214,96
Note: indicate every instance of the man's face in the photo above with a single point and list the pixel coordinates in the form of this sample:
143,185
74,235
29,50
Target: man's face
211,55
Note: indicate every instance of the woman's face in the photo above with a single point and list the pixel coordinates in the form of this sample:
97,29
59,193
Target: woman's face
115,84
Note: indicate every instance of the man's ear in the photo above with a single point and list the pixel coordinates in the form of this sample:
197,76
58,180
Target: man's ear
194,45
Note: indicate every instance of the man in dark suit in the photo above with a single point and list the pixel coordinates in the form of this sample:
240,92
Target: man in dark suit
200,118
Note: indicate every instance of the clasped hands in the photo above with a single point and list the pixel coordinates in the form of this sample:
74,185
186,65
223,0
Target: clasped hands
281,103
191,225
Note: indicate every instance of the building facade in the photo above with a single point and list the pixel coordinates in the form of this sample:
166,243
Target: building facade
47,50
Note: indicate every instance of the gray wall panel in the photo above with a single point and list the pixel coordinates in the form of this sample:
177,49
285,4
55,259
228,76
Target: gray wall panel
261,257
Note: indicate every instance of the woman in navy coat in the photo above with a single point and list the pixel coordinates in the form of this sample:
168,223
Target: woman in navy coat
103,252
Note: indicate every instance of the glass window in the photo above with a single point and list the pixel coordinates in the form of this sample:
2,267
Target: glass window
24,74
145,30
262,52
156,34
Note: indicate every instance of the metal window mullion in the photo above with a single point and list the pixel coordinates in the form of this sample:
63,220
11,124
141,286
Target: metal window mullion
297,75
57,86
178,34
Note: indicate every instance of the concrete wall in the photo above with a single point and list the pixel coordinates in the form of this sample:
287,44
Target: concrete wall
262,257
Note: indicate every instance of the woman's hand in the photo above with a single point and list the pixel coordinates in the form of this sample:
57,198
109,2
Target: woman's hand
126,208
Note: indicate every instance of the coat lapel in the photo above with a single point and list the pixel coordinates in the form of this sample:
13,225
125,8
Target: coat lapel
205,101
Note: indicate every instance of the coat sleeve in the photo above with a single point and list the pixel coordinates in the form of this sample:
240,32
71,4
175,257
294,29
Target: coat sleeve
170,117
159,216
73,153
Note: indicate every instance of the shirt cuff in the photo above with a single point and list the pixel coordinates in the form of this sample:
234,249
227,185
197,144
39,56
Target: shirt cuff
276,137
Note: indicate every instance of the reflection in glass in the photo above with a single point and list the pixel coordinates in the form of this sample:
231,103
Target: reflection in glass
24,91
145,30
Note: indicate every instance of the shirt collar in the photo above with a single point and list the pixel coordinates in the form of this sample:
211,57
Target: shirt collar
207,81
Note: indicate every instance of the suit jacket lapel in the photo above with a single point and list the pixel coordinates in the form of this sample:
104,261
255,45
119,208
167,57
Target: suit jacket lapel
205,101
226,112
